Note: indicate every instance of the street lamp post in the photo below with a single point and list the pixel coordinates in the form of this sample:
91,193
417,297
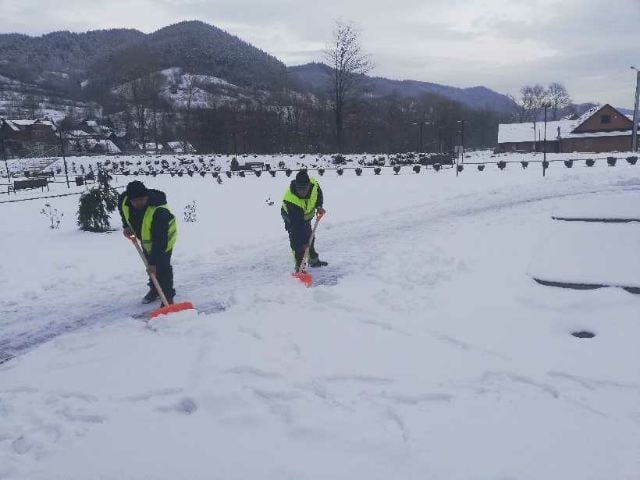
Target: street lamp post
462,140
4,157
634,137
461,122
421,125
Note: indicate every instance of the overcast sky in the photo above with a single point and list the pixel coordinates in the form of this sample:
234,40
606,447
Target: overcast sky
588,45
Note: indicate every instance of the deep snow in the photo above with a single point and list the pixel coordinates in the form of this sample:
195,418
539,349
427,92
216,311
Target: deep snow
426,351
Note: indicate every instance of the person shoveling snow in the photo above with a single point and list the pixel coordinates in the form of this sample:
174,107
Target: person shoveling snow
302,201
146,216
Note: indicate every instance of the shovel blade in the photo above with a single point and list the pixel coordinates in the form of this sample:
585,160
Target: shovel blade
304,277
176,307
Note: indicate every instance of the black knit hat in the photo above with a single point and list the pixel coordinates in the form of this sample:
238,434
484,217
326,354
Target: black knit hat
136,189
302,178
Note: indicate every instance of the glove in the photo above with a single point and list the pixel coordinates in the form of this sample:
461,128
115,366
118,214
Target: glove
320,212
128,233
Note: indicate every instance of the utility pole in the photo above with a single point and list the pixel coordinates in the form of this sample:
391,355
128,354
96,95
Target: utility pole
461,122
634,137
544,144
462,140
64,158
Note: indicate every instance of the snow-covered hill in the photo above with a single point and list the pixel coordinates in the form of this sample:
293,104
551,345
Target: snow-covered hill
24,100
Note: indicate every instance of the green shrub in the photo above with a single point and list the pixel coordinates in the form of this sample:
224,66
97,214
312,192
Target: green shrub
95,208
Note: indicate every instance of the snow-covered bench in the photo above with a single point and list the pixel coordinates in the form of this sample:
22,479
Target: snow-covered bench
29,184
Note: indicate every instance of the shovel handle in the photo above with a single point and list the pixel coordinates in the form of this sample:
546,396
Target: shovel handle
153,277
305,257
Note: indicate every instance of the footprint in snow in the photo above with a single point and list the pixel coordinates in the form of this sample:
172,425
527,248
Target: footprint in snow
185,406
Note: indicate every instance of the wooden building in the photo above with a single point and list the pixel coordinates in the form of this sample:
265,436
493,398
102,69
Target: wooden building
601,129
43,131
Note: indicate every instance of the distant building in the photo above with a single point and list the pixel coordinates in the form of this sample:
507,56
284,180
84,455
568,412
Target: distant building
180,147
151,147
92,128
28,130
601,129
29,137
103,146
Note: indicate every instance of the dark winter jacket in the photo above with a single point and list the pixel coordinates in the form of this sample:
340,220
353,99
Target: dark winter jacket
294,221
159,227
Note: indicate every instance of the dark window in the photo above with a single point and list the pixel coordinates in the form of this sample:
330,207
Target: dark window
605,119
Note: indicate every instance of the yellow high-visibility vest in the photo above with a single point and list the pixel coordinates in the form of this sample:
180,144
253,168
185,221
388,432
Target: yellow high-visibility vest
308,205
147,222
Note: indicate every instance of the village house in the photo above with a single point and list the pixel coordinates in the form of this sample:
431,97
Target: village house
180,147
28,130
601,129
28,137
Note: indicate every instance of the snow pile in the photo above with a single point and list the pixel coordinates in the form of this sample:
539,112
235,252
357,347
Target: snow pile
589,253
606,207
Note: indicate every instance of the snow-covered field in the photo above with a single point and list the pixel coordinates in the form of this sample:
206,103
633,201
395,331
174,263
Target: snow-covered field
425,350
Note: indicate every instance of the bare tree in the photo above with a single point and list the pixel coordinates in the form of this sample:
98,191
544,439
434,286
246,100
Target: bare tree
350,65
136,95
191,87
558,99
31,107
530,102
155,84
139,82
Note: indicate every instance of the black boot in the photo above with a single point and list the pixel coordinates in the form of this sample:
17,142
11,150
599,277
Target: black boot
316,262
151,296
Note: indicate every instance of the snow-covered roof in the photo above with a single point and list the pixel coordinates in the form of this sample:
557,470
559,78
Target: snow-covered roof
588,114
613,133
78,133
524,132
150,146
178,147
107,145
16,125
176,144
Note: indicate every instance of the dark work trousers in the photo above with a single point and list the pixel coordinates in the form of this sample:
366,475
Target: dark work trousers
164,273
298,254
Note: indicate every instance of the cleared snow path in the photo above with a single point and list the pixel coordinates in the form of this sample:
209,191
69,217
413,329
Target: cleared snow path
351,247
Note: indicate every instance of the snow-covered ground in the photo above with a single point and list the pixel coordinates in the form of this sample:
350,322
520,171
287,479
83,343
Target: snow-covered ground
424,351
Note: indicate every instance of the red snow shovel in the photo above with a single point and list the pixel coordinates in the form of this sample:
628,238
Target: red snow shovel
301,274
166,308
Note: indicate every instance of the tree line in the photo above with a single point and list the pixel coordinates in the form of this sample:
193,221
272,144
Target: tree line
343,118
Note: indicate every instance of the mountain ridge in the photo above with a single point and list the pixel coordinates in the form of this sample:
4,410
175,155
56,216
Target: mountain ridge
62,61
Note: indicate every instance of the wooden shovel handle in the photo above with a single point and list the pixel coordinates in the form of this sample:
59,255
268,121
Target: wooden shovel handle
154,279
305,257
